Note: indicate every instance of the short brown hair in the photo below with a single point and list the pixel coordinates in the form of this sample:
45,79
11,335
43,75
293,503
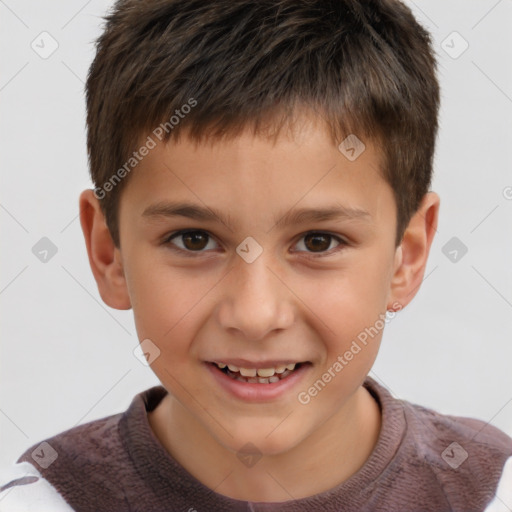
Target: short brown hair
367,67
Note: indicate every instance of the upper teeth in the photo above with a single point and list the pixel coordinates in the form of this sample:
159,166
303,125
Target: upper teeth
261,372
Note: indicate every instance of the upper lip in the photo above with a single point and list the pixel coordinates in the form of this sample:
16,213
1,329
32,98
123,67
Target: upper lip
264,363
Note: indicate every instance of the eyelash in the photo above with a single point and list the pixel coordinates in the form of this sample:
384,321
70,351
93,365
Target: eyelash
167,241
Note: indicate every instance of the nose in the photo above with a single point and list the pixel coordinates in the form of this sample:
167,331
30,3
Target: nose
255,301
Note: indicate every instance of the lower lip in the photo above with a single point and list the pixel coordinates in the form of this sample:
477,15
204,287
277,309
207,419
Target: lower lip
251,392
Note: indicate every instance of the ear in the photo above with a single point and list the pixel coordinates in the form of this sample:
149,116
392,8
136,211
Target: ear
104,256
412,254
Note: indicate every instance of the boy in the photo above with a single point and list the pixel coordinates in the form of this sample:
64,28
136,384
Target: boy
229,141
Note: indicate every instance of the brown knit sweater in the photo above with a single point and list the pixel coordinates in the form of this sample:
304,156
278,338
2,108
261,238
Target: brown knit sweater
422,461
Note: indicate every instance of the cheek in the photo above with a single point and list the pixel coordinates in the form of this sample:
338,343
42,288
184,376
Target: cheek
349,309
350,320
347,300
161,296
169,309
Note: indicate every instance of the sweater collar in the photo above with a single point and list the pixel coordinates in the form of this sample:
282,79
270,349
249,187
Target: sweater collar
166,477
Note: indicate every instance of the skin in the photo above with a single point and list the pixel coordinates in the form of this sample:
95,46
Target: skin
283,305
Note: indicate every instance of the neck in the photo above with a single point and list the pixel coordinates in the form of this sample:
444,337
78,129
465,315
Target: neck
326,458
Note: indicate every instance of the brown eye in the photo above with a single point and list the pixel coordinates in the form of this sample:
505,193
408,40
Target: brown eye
317,242
191,241
195,241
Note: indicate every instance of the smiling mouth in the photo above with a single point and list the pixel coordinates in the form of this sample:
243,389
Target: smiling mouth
260,375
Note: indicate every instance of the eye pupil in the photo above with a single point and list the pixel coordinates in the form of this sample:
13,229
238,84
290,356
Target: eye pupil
318,241
195,240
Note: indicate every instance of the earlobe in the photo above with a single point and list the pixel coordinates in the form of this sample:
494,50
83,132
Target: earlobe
412,255
104,256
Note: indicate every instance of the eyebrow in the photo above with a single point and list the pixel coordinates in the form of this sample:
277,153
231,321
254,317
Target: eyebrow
169,209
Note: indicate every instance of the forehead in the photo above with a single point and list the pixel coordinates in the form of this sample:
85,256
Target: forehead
254,176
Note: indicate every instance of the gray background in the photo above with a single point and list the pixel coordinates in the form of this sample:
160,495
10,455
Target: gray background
66,358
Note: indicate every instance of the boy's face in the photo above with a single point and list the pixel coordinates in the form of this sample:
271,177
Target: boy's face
211,297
